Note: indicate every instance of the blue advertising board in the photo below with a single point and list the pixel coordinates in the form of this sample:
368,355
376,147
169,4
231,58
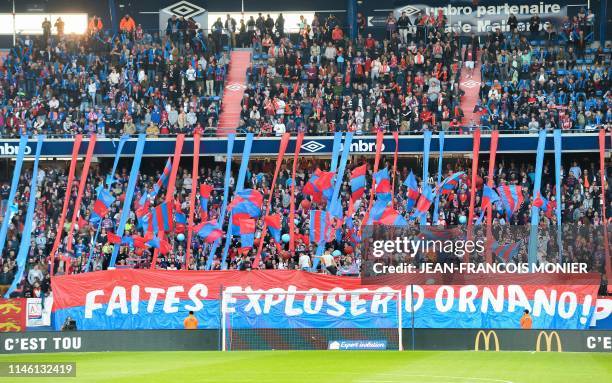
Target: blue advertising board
312,145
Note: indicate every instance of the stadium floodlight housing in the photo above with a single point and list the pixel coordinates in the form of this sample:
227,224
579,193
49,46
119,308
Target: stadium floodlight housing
240,330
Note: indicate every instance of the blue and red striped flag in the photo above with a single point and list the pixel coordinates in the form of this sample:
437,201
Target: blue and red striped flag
180,220
209,231
412,192
325,184
247,201
506,253
311,189
161,217
358,182
391,217
318,226
101,206
450,183
424,202
247,232
274,226
383,184
489,197
511,197
377,211
205,191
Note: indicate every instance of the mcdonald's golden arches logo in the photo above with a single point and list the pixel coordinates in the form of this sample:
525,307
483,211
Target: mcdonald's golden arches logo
549,340
487,340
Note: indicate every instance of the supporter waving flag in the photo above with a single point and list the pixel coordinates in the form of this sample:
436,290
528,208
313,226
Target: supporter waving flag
180,220
318,226
450,183
101,206
209,231
391,217
311,189
511,197
324,183
161,217
247,201
541,202
506,253
424,202
378,209
358,182
247,232
205,191
489,197
383,184
274,226
412,193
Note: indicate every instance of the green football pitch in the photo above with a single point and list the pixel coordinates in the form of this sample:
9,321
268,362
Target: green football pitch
328,366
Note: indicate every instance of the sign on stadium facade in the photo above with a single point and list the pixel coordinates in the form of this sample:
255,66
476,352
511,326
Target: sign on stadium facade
312,145
485,16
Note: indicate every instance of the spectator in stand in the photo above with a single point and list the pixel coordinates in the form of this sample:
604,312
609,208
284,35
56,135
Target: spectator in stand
580,192
127,24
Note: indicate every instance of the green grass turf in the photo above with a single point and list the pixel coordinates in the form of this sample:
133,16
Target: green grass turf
329,366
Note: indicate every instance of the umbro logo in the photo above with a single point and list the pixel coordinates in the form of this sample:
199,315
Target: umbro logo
410,10
234,86
184,9
470,84
312,146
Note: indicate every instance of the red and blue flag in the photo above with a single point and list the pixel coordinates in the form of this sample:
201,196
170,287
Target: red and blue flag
209,231
506,253
511,197
274,226
161,217
101,206
247,232
205,191
247,201
424,202
412,192
318,226
489,197
383,184
450,183
180,220
358,182
391,217
541,202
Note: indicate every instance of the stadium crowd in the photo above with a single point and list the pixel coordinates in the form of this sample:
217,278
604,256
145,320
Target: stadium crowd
128,83
580,206
317,81
548,80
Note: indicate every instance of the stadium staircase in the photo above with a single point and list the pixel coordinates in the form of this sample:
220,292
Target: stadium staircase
471,87
235,84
